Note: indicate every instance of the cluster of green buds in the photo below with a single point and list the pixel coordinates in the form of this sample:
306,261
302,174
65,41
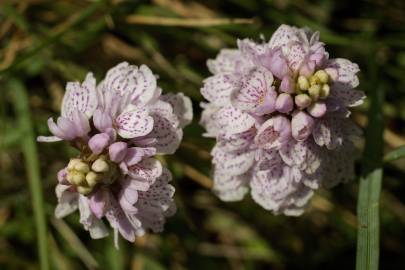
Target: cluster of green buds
311,91
86,174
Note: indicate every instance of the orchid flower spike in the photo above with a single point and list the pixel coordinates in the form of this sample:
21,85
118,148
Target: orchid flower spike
119,126
279,111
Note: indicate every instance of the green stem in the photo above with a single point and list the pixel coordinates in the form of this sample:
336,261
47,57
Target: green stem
370,186
28,146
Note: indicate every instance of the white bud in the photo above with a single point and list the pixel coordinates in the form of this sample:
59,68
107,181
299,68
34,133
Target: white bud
82,167
325,91
92,179
100,165
77,178
303,83
314,91
322,75
73,162
84,190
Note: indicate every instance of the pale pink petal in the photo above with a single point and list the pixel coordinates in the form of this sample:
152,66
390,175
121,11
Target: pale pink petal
226,61
230,188
217,89
134,123
168,137
80,97
253,90
232,163
182,107
284,35
346,71
231,120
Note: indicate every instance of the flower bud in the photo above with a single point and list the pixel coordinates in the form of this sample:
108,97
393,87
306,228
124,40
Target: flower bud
322,75
100,165
76,178
317,109
72,163
313,80
98,142
301,126
307,69
287,85
325,91
284,103
117,151
92,179
81,167
314,91
302,101
84,190
303,83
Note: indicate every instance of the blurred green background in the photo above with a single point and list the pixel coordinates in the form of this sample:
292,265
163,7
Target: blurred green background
45,43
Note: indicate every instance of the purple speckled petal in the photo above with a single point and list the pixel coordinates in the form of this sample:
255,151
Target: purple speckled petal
135,123
304,155
147,170
295,56
301,125
346,95
237,142
346,71
182,107
284,35
80,97
231,120
226,61
253,90
167,136
217,89
230,188
232,163
208,120
119,221
273,133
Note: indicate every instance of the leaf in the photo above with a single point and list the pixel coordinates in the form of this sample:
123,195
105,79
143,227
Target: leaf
395,154
370,188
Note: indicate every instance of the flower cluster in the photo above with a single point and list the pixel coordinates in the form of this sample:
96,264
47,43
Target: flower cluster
119,126
279,113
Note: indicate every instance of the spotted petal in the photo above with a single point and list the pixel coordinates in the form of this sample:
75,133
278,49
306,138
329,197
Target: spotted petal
230,188
231,120
166,134
217,89
182,107
144,173
80,97
253,90
134,123
284,35
226,61
346,71
232,163
347,96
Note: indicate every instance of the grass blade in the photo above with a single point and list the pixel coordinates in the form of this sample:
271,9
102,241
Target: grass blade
28,146
395,154
370,187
